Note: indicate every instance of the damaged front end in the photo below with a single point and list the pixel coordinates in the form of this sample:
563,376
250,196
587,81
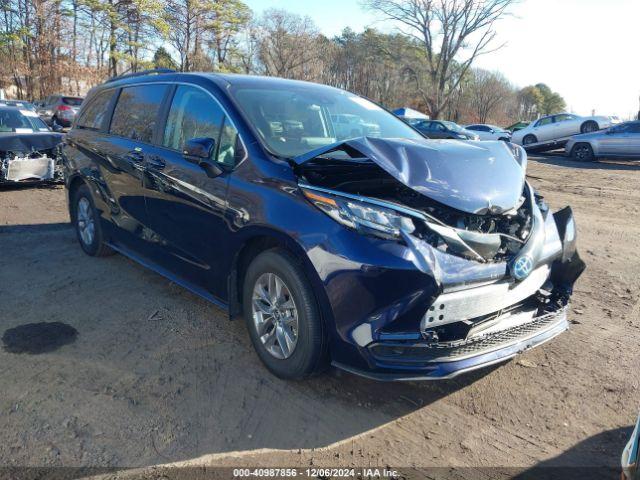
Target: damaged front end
500,267
31,158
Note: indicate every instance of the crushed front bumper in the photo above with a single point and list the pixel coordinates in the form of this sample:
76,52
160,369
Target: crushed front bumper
438,361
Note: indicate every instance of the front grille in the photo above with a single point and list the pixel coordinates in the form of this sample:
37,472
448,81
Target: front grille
477,302
460,349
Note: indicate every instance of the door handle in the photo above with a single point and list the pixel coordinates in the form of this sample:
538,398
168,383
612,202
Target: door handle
135,155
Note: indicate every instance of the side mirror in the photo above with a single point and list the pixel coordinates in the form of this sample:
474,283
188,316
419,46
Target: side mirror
200,151
56,127
611,131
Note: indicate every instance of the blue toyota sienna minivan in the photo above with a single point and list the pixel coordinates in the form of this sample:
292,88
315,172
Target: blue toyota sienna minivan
370,247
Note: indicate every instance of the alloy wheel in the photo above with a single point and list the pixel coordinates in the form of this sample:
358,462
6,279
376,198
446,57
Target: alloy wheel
86,222
275,315
582,152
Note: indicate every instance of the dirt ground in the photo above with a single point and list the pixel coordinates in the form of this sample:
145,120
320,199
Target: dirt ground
156,375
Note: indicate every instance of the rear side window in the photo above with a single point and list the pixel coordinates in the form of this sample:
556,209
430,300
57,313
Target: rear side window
94,113
72,101
543,121
562,118
136,112
193,114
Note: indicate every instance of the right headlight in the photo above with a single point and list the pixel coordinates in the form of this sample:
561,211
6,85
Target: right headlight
361,216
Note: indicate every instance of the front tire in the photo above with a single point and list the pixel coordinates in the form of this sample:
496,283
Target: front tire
87,224
588,127
529,140
582,152
283,317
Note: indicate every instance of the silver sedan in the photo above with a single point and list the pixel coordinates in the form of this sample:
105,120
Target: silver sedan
619,141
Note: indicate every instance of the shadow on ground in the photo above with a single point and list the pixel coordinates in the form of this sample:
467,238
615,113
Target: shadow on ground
598,457
28,185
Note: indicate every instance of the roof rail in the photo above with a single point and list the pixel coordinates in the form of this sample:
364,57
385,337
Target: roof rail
139,74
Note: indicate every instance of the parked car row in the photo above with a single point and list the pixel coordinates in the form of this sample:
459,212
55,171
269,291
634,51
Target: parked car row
584,138
444,129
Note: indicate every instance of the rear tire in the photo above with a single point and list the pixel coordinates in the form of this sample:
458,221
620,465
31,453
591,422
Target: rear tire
86,221
529,139
588,127
284,321
582,152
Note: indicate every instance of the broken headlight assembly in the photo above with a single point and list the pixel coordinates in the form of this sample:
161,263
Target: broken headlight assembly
391,221
364,217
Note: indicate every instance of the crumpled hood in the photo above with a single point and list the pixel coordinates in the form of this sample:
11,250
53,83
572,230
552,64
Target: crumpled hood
28,142
475,177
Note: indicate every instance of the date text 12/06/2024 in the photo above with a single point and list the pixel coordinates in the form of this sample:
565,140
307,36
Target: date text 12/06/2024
315,472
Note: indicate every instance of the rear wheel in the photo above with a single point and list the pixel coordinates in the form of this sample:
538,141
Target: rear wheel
588,127
87,224
529,140
282,316
582,152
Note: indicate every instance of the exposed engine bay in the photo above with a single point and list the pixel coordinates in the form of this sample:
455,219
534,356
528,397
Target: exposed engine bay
504,234
30,157
34,166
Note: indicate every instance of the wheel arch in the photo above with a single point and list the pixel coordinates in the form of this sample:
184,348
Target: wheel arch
583,143
257,241
586,122
73,184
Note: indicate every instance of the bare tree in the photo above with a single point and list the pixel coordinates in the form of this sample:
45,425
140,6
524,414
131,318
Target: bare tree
203,32
247,48
489,89
288,44
444,30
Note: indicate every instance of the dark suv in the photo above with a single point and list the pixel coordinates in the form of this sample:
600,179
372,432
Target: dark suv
392,256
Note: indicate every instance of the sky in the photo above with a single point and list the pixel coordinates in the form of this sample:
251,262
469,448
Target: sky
586,50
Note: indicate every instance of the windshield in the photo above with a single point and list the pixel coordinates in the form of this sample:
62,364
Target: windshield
21,121
18,103
454,127
298,120
73,101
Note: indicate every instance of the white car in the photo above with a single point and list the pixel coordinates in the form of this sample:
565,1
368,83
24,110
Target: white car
561,125
489,132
